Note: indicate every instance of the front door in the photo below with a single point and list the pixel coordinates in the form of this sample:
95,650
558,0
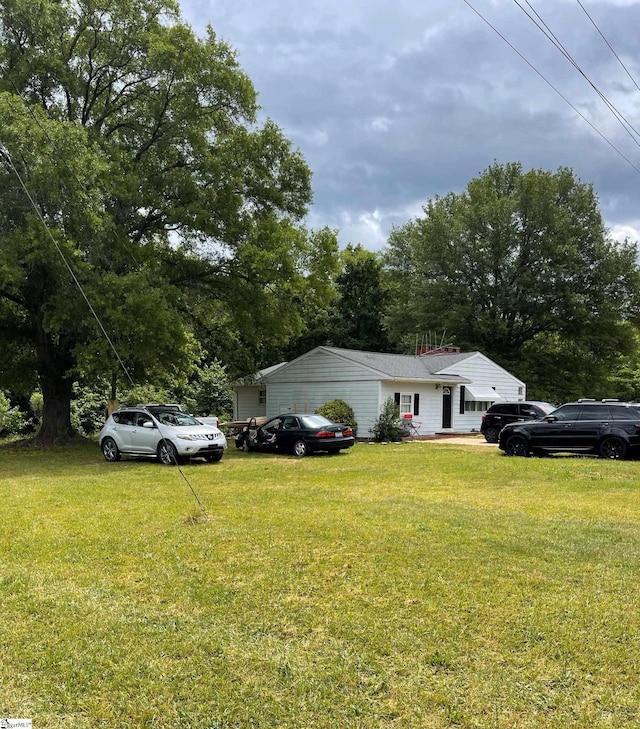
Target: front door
446,407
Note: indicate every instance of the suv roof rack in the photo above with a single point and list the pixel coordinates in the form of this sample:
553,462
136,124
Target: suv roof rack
167,406
587,399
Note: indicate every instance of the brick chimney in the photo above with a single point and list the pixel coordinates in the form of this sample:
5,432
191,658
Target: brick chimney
424,349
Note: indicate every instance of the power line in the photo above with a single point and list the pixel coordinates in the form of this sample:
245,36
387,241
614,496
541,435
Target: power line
551,36
609,44
6,157
546,80
4,153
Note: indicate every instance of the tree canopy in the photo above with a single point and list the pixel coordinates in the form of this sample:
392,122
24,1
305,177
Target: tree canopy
135,181
519,266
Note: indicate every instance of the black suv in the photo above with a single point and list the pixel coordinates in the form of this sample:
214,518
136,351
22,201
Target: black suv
503,413
607,428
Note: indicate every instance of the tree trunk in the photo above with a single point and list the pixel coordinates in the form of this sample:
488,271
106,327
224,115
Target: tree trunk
55,363
56,411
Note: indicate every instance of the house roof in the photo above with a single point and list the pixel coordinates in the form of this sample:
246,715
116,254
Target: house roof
401,366
395,366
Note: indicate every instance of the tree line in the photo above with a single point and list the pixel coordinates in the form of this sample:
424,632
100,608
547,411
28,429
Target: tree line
152,228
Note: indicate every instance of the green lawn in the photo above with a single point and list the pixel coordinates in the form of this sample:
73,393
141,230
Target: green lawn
414,585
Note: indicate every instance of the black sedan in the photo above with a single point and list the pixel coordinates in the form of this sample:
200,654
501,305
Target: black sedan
296,433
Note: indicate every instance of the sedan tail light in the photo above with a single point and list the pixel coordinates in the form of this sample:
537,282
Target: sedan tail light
325,434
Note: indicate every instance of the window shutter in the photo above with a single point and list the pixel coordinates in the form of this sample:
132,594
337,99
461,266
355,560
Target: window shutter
416,404
463,396
396,397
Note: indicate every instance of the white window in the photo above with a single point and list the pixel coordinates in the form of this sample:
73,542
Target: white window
476,406
262,397
406,404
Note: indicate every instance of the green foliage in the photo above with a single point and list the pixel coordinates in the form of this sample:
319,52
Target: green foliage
357,321
35,403
87,410
209,392
145,394
12,420
516,264
340,412
388,425
175,208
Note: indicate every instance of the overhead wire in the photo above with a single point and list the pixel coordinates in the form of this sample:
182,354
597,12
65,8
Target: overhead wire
609,45
552,37
6,157
552,86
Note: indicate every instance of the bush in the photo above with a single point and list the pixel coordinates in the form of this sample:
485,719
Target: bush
87,410
389,426
209,393
12,420
339,412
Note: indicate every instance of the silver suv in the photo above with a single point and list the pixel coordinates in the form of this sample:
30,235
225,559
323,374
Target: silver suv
162,431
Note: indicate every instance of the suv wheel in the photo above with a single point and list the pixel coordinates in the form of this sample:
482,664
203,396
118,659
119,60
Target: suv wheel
491,434
517,445
168,454
613,447
110,450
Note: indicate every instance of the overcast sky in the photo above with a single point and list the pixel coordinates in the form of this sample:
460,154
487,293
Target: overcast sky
392,102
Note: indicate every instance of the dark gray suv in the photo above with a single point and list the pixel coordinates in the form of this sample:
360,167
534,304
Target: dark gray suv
607,428
503,413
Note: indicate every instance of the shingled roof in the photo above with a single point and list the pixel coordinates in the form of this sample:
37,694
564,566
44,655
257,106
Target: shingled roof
394,366
401,366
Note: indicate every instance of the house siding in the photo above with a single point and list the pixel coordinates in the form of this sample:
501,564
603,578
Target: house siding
365,383
485,375
430,411
321,365
307,397
247,403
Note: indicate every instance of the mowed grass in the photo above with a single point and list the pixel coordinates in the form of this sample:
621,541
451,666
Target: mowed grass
414,585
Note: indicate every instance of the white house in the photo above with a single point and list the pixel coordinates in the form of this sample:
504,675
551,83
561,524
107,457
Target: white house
441,391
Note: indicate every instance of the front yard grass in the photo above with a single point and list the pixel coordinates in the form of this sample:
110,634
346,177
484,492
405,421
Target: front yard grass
414,585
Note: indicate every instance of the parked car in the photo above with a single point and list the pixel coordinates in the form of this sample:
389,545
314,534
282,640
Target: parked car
296,433
503,413
607,428
161,431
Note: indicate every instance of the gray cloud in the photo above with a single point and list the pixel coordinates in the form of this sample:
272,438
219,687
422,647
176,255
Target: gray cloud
393,103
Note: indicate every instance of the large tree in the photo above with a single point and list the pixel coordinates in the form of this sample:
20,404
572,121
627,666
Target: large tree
519,266
136,184
357,320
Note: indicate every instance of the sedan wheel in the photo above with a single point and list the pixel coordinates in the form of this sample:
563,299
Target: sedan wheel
300,448
614,448
517,446
491,434
168,454
110,450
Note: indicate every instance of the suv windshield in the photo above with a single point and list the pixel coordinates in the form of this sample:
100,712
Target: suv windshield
173,417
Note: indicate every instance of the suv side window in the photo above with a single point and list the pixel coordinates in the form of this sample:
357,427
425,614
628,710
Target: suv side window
499,409
567,412
620,412
126,418
595,412
529,411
